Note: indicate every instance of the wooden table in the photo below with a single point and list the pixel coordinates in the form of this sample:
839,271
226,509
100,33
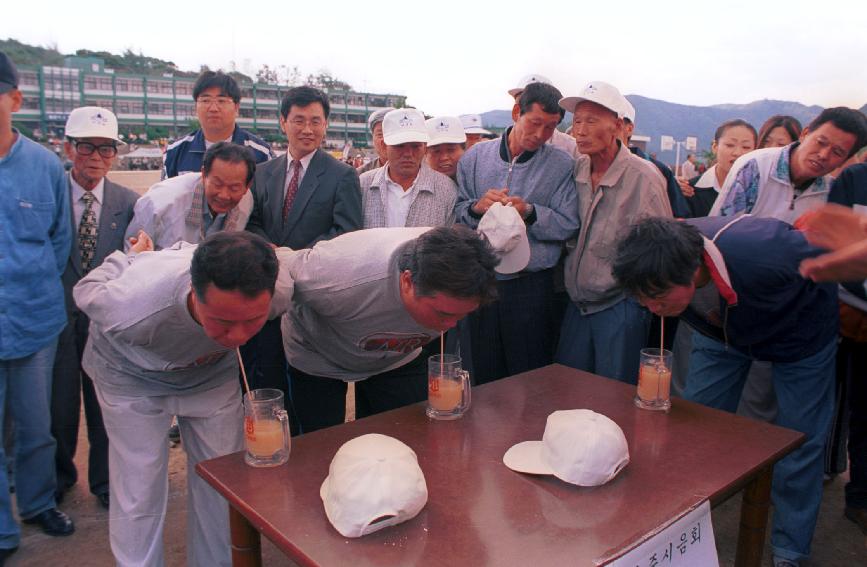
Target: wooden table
479,512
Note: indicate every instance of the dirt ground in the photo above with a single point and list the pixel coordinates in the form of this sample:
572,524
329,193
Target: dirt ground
837,542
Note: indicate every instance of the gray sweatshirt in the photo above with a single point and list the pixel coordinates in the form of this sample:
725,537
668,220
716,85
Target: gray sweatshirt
143,339
348,321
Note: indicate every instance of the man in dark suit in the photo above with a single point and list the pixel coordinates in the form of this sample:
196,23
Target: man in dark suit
300,198
101,211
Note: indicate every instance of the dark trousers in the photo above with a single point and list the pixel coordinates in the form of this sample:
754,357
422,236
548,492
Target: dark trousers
321,402
266,367
513,334
70,384
852,359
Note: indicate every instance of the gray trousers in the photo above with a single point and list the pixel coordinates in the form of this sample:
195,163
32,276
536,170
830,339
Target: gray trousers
211,425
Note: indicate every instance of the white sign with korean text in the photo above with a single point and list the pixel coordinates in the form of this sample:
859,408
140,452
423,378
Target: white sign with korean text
688,542
666,143
691,143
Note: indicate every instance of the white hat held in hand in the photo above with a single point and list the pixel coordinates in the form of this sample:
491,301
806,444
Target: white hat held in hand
374,482
579,446
599,92
526,80
92,122
445,130
506,232
402,126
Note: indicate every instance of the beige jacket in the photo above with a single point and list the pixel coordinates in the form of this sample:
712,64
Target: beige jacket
630,190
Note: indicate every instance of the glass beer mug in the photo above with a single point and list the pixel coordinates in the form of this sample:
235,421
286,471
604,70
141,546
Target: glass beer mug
448,393
266,428
654,380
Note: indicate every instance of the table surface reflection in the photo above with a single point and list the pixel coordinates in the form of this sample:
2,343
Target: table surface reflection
479,512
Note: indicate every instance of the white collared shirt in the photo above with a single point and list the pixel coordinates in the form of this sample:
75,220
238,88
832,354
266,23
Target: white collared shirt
708,180
305,163
78,203
397,201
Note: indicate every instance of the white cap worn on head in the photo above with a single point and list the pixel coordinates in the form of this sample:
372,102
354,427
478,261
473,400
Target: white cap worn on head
445,130
92,122
628,110
402,126
376,117
599,92
473,124
507,234
374,482
526,80
579,446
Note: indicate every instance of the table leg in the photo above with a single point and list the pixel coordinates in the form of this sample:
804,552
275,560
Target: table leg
246,543
754,519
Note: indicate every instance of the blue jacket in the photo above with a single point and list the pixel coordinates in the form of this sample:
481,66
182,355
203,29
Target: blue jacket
849,189
35,236
768,310
186,154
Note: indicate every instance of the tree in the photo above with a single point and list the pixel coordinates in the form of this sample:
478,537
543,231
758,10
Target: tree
267,75
325,81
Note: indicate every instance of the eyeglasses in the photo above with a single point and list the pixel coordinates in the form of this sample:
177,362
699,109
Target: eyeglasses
221,101
300,123
105,150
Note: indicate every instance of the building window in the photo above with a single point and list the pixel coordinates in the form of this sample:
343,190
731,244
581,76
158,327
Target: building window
30,78
183,88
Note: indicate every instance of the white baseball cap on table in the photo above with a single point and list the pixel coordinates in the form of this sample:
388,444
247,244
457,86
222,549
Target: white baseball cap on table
374,482
526,80
92,122
599,92
506,232
445,130
404,125
473,124
579,446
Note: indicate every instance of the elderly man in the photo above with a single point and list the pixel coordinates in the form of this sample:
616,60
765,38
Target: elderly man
365,303
558,139
300,198
164,327
406,191
747,306
218,99
101,211
34,216
520,168
192,206
603,331
447,144
786,182
374,123
472,124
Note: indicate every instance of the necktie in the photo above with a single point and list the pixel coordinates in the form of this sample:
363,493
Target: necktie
87,232
292,190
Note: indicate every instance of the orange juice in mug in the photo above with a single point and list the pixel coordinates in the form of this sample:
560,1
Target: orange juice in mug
266,428
448,387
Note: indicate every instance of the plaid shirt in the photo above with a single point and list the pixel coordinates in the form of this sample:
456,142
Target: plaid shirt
434,205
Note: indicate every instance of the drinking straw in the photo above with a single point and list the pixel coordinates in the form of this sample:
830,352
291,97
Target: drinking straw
442,351
661,338
243,372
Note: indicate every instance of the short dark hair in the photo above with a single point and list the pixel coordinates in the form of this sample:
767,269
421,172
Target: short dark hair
210,79
453,260
720,132
545,95
304,96
788,123
234,261
657,254
232,153
846,119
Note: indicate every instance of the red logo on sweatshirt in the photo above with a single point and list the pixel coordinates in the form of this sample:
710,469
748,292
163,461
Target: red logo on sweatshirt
394,342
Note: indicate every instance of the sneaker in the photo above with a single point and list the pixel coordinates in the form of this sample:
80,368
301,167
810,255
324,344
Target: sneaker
780,562
857,515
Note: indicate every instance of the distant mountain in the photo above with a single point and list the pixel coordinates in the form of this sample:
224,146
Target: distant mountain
655,118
